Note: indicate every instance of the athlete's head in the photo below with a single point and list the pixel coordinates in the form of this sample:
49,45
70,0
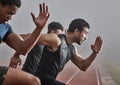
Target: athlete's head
10,2
55,27
80,28
8,8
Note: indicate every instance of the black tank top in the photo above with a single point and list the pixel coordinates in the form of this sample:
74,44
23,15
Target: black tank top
53,62
33,59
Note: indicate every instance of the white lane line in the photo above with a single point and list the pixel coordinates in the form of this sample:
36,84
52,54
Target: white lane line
97,74
72,77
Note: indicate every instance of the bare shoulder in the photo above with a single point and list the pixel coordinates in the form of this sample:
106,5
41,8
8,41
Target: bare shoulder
49,40
48,35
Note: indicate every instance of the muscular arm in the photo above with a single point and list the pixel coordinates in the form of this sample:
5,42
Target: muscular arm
83,64
19,44
50,40
24,46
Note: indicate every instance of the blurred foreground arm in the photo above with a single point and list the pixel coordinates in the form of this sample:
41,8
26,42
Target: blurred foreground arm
24,46
28,43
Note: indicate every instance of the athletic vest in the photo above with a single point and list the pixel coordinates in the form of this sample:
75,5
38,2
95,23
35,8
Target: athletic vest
53,62
33,59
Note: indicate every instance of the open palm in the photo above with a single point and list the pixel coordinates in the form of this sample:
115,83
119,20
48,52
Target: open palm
43,16
97,45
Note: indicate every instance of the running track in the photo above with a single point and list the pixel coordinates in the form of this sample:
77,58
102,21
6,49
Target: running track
71,75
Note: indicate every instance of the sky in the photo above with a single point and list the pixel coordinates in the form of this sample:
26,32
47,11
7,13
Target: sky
102,15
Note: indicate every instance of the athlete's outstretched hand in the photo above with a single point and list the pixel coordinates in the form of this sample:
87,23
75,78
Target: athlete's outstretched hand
97,45
43,16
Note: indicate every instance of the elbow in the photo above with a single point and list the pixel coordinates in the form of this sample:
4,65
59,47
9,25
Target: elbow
84,69
58,43
23,51
83,66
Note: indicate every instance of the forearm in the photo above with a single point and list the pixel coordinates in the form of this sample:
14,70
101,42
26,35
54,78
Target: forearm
81,63
30,41
88,61
25,36
95,48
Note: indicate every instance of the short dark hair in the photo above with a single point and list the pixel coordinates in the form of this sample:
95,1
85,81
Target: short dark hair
54,26
78,24
11,2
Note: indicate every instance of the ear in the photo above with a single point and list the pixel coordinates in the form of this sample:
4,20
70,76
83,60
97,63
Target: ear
52,32
76,31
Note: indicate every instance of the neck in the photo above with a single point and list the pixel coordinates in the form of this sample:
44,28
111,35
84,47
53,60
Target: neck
69,38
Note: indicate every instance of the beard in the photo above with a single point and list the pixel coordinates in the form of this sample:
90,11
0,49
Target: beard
77,41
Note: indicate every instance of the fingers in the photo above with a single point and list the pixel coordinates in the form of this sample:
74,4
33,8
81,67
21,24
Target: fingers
33,16
96,47
20,62
48,15
40,8
46,12
44,9
99,39
12,65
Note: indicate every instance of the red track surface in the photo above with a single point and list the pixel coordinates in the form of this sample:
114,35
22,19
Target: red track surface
71,75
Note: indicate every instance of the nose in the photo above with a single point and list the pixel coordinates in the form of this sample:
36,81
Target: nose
9,18
85,38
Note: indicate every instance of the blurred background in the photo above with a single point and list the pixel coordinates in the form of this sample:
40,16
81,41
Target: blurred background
102,15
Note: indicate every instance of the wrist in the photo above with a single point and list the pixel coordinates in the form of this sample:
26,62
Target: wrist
16,55
95,52
39,27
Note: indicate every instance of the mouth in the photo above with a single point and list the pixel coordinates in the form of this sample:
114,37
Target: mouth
81,41
5,20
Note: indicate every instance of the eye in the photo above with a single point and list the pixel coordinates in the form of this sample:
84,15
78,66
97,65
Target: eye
86,33
10,13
